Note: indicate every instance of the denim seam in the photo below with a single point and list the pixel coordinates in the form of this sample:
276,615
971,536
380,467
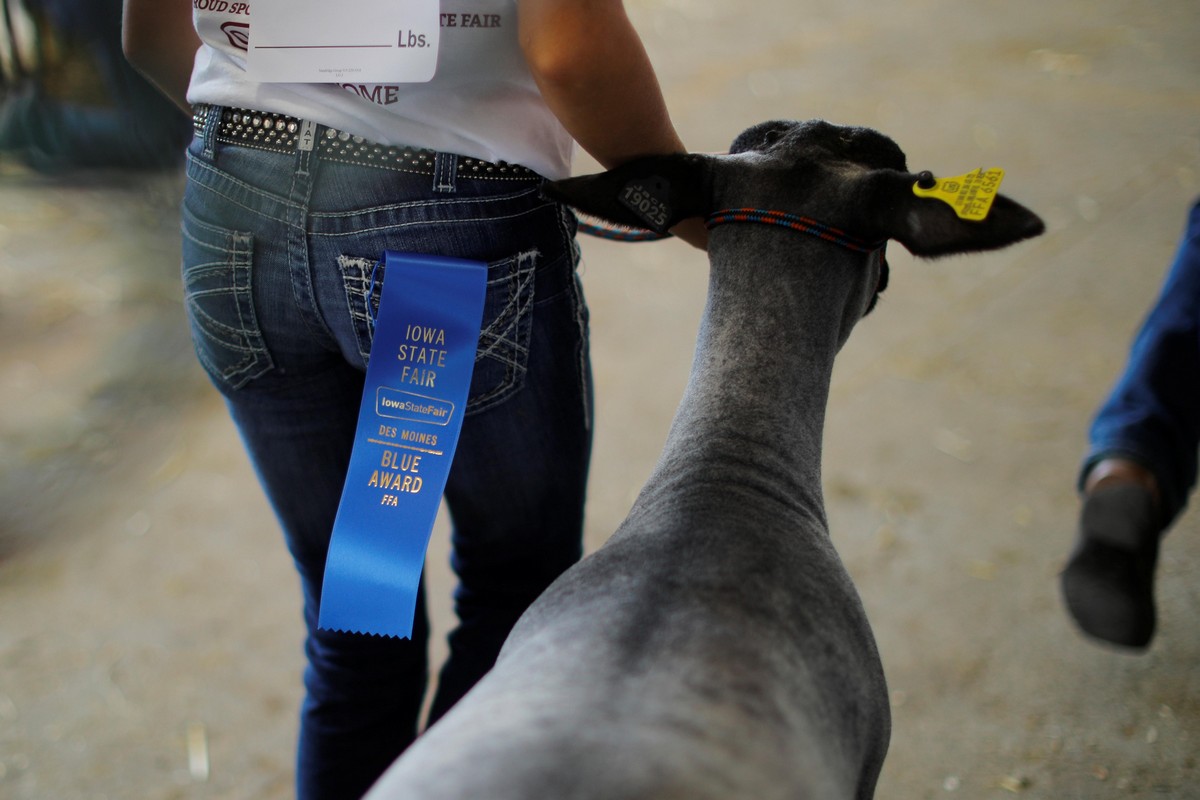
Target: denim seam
417,223
437,203
359,318
298,261
209,135
445,167
253,209
565,219
519,278
237,263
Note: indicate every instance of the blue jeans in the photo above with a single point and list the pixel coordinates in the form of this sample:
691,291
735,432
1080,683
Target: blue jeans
277,259
1152,416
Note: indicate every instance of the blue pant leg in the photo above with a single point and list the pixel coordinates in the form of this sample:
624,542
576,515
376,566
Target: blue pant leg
1152,415
295,397
516,492
363,693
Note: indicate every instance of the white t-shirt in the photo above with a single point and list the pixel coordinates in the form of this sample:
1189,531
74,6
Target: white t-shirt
482,102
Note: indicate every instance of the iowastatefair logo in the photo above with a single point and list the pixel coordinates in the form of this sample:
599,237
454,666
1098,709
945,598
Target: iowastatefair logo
238,34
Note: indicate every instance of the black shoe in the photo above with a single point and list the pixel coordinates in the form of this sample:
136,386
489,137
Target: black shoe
1108,583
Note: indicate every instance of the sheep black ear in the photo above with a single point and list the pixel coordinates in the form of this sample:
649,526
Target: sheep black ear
654,193
929,227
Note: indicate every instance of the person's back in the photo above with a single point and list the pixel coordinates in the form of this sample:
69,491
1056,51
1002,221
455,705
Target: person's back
481,103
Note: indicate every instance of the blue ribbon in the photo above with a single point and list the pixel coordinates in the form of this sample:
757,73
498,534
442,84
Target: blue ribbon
418,376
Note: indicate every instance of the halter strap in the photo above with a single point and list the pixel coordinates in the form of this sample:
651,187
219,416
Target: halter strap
812,227
617,234
796,223
761,216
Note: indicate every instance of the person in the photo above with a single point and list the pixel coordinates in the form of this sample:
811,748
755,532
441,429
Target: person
279,243
122,123
1141,464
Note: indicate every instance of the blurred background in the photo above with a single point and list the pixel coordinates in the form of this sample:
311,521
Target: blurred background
150,628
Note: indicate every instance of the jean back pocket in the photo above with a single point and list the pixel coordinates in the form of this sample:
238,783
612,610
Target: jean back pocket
503,353
219,298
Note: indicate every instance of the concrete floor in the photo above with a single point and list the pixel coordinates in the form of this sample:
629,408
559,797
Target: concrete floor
149,627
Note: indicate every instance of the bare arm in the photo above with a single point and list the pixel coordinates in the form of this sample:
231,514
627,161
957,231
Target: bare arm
159,40
595,76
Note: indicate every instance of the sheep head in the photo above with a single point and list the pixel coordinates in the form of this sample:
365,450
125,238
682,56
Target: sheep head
852,178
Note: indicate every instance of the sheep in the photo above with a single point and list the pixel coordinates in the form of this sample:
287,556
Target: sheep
715,646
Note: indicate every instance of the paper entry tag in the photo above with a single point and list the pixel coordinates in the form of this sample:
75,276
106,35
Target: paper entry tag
364,41
971,195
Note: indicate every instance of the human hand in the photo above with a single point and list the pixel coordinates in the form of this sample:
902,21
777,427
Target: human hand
693,231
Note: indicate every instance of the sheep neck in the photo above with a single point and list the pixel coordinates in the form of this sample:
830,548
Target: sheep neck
751,420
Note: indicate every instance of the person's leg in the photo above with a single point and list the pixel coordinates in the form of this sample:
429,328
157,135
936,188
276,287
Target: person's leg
1142,462
1152,415
516,492
272,328
363,693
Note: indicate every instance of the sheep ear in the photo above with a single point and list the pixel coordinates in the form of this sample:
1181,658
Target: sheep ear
929,227
654,193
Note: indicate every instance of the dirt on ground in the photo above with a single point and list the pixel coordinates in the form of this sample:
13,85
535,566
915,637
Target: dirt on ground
150,635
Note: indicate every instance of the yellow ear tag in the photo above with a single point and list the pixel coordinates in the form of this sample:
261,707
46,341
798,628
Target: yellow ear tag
970,195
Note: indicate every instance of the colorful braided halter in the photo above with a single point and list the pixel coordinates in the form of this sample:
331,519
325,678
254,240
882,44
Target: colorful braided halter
796,223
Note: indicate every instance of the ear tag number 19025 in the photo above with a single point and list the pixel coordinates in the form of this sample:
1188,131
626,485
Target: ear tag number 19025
650,199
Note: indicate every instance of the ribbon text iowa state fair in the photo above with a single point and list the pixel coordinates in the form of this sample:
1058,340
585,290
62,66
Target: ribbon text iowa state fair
416,392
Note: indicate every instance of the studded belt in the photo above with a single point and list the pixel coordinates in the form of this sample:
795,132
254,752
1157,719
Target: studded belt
279,133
